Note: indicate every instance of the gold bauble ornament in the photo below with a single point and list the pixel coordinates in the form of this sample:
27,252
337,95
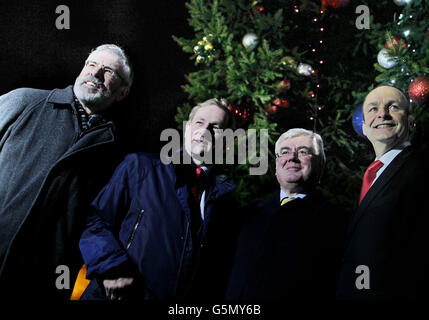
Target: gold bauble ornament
199,59
289,62
208,46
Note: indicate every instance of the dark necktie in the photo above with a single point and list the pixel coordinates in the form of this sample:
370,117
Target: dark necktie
369,177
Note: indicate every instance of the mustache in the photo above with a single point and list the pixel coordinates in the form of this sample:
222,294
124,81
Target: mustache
94,80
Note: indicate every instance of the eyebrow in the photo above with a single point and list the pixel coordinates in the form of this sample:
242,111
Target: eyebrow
375,103
204,119
299,148
394,101
105,66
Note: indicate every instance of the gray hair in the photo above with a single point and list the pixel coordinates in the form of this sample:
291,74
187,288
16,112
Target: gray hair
125,61
222,104
316,139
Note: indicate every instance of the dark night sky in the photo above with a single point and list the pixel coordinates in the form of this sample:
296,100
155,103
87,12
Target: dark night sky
34,53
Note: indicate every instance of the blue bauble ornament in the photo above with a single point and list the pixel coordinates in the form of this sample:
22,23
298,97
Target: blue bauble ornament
357,120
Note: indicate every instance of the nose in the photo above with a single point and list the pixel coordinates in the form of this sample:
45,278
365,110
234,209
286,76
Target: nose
202,131
98,72
205,129
293,155
383,113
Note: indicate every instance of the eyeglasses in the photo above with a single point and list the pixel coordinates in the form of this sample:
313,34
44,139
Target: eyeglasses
108,72
301,153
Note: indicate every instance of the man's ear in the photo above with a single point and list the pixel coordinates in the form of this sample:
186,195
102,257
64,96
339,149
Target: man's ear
187,124
363,128
186,127
123,93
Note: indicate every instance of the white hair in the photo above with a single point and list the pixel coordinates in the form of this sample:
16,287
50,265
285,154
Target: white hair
316,138
125,61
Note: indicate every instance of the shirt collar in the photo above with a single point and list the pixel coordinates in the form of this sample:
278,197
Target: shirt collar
205,169
388,157
284,195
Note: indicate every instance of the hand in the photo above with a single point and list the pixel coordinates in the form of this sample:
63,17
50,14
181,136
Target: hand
116,288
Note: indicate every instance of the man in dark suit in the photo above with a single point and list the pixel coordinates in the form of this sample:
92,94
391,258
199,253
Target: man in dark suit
291,246
387,242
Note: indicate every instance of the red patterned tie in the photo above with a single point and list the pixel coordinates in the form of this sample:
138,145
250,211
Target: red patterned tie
369,177
195,188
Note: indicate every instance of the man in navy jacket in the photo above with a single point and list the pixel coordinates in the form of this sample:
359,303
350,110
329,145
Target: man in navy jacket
150,236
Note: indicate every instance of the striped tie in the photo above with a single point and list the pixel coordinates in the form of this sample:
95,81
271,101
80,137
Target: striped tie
286,200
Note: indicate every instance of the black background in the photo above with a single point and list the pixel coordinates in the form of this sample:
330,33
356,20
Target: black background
34,53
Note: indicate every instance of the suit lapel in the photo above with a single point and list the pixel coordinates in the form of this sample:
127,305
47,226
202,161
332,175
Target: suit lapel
273,204
381,183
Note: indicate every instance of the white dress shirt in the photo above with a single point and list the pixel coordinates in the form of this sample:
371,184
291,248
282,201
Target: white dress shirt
203,196
388,157
284,195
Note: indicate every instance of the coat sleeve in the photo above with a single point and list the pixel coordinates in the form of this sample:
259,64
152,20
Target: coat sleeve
100,246
12,104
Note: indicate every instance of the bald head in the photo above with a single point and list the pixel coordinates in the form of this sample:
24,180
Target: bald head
387,120
387,88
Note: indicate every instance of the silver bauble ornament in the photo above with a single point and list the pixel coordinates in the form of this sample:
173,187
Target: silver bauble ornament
305,69
386,60
250,40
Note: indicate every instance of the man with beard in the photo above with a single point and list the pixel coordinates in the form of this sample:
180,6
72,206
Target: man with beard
55,152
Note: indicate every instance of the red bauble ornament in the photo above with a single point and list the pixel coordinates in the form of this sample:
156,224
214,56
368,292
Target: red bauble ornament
283,85
260,7
335,3
276,105
395,42
270,108
282,103
418,90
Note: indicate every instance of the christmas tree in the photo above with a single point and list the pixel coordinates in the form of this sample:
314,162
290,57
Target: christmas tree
286,64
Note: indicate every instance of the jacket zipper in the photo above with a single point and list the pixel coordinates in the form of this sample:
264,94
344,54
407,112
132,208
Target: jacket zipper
179,270
133,232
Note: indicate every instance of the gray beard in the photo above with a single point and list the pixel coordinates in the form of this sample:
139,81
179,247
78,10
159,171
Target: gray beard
92,101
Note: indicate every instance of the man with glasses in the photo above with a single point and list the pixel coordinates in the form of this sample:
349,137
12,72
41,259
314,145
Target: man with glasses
55,155
291,245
